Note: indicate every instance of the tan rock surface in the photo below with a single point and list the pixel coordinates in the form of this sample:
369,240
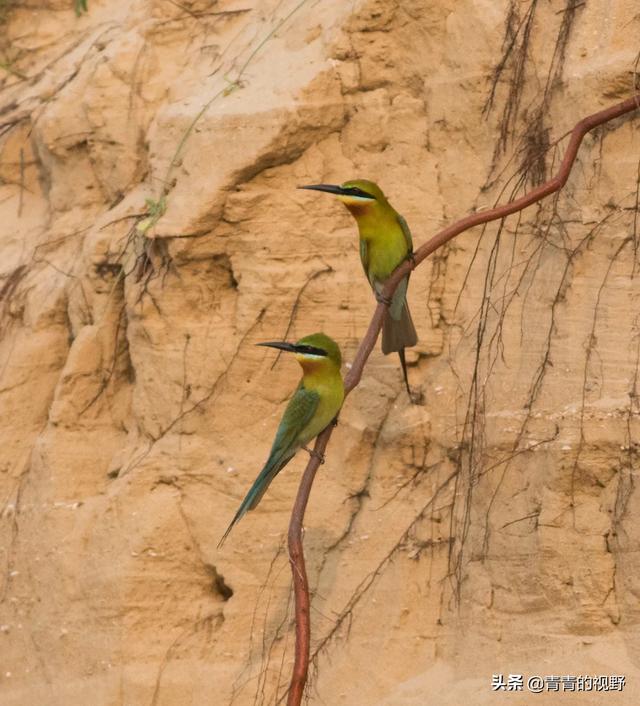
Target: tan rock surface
493,529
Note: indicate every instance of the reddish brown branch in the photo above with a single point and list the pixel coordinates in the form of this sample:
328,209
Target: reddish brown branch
300,583
296,555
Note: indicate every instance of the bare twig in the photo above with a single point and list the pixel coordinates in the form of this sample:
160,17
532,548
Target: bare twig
296,554
21,197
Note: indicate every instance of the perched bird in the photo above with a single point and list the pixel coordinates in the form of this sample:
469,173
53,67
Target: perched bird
314,405
385,242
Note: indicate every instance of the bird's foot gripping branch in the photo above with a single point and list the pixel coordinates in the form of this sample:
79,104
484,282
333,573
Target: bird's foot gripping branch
315,454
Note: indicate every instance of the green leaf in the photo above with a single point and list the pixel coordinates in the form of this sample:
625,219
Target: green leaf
80,7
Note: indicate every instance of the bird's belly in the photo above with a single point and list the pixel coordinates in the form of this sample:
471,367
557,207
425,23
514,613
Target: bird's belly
384,258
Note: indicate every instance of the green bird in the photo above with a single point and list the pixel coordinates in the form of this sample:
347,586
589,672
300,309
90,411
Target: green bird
385,242
314,405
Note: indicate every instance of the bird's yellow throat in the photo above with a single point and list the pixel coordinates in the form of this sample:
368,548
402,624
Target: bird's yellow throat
316,370
357,206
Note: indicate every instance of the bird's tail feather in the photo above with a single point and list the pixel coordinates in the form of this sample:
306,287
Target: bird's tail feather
257,490
398,333
403,363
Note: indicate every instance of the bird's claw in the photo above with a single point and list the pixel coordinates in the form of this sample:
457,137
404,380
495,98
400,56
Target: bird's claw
381,299
314,454
412,258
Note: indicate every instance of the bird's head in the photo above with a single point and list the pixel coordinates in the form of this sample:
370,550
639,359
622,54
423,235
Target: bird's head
360,196
312,352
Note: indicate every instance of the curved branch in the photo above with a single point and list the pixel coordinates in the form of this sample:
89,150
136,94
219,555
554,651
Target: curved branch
296,555
300,582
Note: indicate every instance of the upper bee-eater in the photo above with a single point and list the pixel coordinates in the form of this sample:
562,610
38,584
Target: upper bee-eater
314,405
385,242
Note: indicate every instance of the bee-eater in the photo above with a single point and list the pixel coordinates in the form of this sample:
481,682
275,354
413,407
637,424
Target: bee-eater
314,405
385,242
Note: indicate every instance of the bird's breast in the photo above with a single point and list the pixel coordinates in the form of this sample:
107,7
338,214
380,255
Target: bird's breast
331,394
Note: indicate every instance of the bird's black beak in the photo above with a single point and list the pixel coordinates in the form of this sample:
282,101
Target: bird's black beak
329,188
281,345
294,347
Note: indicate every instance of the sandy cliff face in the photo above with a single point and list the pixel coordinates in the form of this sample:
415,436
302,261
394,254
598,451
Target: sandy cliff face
152,233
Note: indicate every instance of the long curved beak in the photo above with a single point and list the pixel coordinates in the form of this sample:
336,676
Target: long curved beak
281,345
329,188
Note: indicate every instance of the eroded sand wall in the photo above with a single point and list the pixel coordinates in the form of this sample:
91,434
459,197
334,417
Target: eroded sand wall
492,529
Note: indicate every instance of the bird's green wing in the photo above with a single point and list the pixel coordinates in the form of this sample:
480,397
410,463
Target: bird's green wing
407,233
399,297
297,415
364,259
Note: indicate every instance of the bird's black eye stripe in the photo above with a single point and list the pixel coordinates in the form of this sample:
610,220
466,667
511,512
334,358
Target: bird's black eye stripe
355,191
310,350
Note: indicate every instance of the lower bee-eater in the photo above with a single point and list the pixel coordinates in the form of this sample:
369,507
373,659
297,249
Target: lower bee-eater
314,405
385,242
